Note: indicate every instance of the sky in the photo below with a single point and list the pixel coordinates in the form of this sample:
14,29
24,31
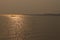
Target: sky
30,6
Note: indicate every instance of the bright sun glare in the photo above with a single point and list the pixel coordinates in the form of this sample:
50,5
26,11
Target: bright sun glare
15,17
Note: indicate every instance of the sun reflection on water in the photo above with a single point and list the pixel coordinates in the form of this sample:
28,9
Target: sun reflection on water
16,23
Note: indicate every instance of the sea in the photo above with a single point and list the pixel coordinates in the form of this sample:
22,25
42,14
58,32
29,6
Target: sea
29,27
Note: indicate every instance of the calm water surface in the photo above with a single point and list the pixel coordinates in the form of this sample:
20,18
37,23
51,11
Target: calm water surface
28,27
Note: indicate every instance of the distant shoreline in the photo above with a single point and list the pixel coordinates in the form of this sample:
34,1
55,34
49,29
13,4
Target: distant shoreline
33,14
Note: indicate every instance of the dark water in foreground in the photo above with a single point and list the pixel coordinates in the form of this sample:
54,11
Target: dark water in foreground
28,27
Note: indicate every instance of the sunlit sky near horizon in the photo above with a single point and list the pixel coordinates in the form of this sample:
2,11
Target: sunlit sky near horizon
30,6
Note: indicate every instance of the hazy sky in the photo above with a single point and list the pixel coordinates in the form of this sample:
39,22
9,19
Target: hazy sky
29,6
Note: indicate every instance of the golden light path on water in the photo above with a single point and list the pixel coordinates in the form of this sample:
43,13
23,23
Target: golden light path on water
14,26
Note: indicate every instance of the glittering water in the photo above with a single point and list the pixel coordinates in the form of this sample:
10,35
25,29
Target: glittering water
28,27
